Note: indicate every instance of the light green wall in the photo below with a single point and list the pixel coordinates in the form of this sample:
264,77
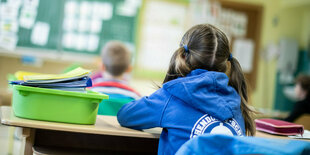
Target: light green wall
293,20
305,35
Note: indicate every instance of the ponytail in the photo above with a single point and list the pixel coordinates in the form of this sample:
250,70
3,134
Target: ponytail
178,66
237,81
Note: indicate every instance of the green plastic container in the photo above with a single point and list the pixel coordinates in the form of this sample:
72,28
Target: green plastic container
112,105
56,105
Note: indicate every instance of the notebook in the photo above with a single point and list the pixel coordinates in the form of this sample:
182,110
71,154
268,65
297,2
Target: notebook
77,83
74,74
278,127
306,135
74,80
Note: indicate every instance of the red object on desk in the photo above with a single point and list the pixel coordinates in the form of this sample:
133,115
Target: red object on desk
279,127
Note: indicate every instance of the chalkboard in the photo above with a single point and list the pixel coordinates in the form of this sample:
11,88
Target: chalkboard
121,25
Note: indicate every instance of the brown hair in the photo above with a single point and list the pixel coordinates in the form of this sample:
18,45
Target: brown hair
116,57
208,48
304,81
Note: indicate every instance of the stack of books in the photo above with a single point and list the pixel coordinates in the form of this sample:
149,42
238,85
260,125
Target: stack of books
75,80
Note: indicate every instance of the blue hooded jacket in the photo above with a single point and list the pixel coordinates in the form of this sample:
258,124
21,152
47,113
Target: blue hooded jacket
201,102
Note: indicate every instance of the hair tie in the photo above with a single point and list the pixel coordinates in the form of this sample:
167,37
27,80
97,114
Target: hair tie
186,48
230,57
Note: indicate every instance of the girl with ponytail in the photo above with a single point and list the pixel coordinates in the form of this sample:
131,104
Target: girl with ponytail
204,92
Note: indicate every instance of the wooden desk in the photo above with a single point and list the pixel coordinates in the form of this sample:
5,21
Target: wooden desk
106,135
267,135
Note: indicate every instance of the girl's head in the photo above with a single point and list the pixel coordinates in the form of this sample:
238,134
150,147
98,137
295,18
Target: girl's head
206,47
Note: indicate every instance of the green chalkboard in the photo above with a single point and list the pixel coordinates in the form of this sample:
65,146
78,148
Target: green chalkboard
48,11
120,26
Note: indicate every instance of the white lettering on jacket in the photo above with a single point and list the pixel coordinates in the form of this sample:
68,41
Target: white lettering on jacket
209,124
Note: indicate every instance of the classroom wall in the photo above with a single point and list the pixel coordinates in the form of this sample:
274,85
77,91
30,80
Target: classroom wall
281,18
305,35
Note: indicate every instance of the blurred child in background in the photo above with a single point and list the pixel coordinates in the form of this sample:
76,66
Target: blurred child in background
302,92
115,67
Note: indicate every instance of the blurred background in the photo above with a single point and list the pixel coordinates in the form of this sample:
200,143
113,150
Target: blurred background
270,38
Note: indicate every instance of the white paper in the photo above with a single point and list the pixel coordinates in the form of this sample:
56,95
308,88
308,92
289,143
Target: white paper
102,10
81,42
40,32
27,17
93,42
136,3
288,59
85,9
8,42
126,9
8,11
70,24
306,135
271,52
14,3
31,3
96,26
68,40
84,25
243,50
71,8
156,48
8,26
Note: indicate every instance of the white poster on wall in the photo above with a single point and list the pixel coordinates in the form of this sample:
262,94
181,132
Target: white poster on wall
70,24
40,32
243,51
28,13
9,24
71,8
161,34
68,39
288,59
27,17
102,10
8,41
81,42
128,8
93,43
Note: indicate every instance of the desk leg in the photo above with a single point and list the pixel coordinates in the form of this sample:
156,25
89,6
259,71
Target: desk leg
28,134
11,139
